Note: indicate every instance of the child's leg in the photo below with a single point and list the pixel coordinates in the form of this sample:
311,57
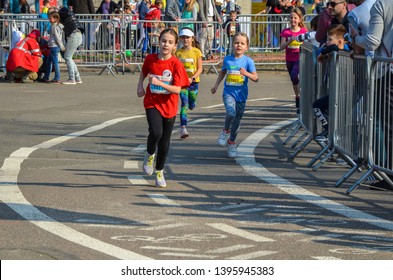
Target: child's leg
184,93
240,107
230,110
163,144
192,96
48,66
154,119
55,59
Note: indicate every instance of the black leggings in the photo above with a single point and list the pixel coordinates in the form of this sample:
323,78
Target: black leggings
160,130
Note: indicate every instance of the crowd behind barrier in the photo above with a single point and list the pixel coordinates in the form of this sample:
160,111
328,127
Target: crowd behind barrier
112,40
359,112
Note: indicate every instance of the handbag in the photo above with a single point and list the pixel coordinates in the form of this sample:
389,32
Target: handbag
16,35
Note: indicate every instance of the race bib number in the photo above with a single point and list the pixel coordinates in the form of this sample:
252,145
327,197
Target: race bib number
234,78
159,89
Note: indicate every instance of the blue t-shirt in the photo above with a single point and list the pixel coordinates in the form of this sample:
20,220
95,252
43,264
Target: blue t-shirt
236,84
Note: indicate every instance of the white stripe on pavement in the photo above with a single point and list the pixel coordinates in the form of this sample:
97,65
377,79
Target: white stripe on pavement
246,159
240,232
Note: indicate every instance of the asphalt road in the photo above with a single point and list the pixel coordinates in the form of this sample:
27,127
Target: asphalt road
72,186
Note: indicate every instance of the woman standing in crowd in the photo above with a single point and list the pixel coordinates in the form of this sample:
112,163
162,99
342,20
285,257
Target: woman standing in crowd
73,32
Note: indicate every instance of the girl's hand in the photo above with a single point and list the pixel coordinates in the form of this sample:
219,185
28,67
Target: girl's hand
214,89
154,81
140,91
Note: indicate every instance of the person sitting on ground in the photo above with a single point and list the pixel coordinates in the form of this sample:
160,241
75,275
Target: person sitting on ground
335,42
25,59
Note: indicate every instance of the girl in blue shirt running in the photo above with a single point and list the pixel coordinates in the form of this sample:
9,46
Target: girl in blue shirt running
237,68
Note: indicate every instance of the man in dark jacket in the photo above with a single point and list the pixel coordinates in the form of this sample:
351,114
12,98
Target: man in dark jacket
82,6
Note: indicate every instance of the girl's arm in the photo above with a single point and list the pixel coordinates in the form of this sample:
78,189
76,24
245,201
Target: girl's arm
169,88
220,77
58,37
198,71
140,91
253,76
285,42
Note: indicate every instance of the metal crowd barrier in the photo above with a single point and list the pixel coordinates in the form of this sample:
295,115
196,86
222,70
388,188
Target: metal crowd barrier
306,121
360,112
379,146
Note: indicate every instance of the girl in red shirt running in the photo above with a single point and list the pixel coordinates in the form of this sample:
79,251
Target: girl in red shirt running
167,77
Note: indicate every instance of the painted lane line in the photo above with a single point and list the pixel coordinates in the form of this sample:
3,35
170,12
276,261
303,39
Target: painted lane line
240,232
188,255
170,226
229,249
253,255
163,200
130,164
139,149
200,121
137,180
246,159
324,258
12,196
168,249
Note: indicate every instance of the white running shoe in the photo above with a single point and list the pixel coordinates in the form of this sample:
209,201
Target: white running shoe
223,138
232,150
148,164
160,179
183,132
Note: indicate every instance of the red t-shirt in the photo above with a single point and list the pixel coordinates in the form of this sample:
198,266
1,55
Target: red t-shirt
170,71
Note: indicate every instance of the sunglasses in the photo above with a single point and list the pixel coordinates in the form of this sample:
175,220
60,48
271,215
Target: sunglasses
333,4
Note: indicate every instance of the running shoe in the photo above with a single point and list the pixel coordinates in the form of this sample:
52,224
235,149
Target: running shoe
160,179
223,138
148,164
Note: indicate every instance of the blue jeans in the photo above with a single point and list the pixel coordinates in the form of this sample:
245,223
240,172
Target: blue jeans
73,42
233,114
53,59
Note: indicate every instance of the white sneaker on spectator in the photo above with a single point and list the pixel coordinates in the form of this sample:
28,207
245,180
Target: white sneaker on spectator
69,82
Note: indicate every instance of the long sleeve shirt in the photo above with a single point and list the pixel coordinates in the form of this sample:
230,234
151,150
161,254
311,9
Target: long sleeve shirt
379,37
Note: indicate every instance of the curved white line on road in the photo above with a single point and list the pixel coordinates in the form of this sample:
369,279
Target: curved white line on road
247,160
11,195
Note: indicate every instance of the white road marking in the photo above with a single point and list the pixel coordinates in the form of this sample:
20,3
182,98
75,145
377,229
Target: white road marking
252,255
139,149
163,200
199,121
240,232
229,249
130,164
12,196
168,249
162,227
324,258
188,255
138,180
246,159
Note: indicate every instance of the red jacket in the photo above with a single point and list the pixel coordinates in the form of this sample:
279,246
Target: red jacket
26,54
154,13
